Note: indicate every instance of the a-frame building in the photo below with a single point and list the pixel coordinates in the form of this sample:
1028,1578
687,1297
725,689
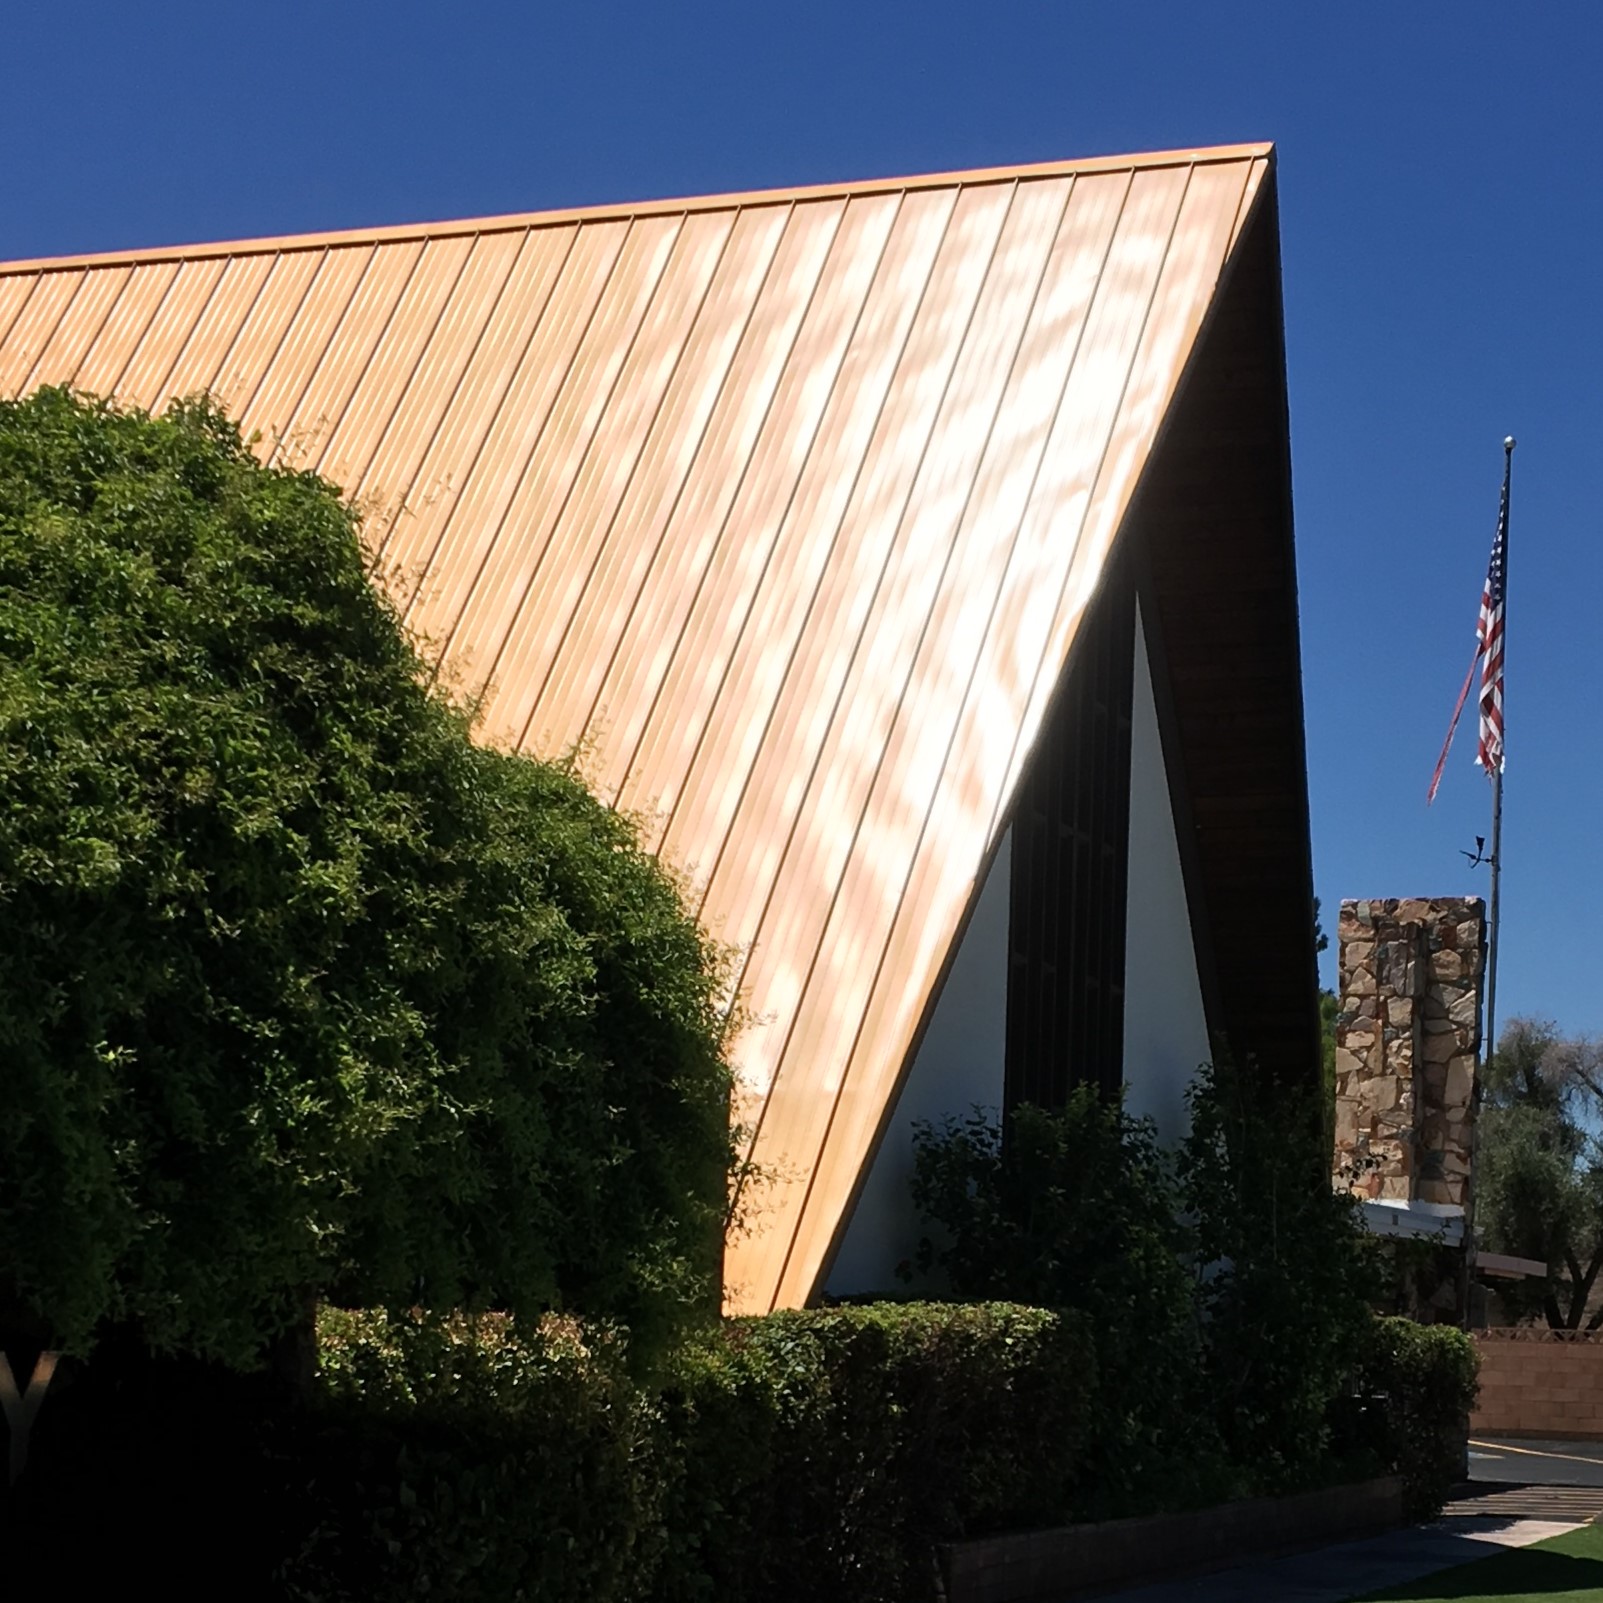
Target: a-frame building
913,557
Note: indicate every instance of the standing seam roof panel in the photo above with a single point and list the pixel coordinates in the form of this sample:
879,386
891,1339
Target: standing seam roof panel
508,377
80,325
564,700
360,436
618,459
545,477
276,400
15,292
788,438
350,348
269,323
388,482
153,356
216,331
685,549
771,628
101,369
34,327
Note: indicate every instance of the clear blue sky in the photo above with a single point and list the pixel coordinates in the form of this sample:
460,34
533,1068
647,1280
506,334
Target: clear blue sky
1442,210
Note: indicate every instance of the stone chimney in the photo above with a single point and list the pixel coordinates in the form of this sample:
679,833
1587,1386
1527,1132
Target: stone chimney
1407,1035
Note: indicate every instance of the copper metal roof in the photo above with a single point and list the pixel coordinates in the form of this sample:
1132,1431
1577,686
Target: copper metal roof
783,508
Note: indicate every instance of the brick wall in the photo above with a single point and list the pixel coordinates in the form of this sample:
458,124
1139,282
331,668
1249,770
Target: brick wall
1538,1382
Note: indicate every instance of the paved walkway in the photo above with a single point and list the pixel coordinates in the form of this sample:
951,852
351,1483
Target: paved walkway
1519,1493
1336,1574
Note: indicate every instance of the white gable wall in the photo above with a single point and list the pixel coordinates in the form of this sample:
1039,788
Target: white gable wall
1165,1029
959,1065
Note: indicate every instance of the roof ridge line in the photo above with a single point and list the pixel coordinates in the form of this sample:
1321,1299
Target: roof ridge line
449,228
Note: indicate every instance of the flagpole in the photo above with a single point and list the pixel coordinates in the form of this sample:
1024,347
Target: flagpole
1493,914
1495,910
1489,1039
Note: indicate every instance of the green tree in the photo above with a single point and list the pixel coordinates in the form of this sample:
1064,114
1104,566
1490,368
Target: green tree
304,992
1539,1167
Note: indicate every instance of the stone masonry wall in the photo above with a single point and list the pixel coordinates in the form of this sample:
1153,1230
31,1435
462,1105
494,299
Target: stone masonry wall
1407,1035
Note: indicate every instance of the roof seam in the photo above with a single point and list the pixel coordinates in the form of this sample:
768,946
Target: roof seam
604,535
672,512
752,456
425,568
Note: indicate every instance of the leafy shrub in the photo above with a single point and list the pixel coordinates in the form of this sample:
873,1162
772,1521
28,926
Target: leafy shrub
1286,1275
1225,1287
1416,1384
303,990
1077,1209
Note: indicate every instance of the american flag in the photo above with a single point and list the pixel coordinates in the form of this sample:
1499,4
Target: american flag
1489,639
1488,651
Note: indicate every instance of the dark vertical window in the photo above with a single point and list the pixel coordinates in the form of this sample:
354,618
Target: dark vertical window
1071,831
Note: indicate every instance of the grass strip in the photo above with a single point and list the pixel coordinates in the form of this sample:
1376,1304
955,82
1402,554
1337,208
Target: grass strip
1563,1569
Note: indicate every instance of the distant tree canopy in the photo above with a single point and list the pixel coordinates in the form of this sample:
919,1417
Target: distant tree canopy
1539,1168
303,992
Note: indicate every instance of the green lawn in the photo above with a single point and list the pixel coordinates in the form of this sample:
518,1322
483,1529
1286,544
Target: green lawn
1568,1567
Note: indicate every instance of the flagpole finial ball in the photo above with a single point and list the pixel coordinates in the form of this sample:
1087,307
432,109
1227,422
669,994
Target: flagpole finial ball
1508,442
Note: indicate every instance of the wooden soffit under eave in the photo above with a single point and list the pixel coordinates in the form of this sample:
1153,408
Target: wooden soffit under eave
782,508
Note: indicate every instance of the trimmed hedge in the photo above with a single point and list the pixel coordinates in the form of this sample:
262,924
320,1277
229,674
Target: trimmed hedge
799,1456
825,1453
470,1458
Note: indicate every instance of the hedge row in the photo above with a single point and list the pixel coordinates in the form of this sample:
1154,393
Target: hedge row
801,1456
793,1457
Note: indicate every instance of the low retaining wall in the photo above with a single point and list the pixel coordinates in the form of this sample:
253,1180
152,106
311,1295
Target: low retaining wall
1539,1382
1071,1559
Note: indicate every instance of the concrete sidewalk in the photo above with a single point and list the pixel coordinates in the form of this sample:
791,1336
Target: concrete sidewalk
1349,1570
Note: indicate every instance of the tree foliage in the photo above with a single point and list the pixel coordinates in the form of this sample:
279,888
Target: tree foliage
1539,1167
304,991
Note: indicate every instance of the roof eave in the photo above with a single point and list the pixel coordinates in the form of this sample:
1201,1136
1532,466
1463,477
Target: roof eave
455,228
